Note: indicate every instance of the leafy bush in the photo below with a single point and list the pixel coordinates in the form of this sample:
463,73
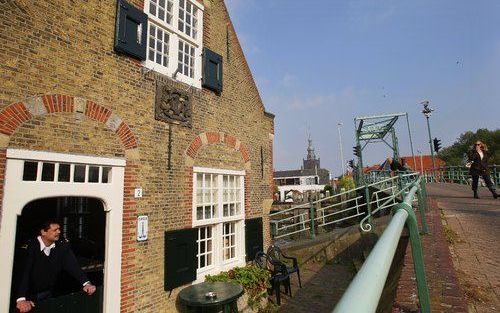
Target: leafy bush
347,182
253,279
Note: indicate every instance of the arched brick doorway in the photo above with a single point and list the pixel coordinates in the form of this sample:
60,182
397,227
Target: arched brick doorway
83,226
114,197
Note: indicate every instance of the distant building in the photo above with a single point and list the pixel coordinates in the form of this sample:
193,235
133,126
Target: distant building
424,162
310,178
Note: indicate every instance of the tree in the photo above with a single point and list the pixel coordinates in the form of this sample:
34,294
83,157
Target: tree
454,154
328,188
347,182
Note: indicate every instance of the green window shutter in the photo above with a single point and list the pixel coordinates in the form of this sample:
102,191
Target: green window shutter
180,257
212,70
131,30
253,237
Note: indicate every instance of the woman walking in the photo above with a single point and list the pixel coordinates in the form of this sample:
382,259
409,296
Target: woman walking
478,158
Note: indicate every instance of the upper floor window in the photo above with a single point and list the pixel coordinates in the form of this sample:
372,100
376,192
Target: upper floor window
186,59
175,34
188,18
158,45
162,9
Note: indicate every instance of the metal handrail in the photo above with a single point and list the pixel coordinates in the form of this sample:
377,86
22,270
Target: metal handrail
458,175
306,218
369,282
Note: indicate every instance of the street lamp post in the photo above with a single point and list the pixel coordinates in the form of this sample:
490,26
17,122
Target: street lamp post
427,113
421,163
339,125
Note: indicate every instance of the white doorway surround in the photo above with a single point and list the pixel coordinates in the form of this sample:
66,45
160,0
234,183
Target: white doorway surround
89,176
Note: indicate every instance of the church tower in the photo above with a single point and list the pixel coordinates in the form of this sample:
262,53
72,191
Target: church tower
311,162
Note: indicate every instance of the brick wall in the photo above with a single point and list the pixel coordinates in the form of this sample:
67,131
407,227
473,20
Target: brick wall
67,51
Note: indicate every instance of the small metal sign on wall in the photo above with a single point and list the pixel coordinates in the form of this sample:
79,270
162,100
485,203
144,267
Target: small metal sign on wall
142,227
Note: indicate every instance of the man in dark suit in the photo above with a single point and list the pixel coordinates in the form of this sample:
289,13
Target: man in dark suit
47,257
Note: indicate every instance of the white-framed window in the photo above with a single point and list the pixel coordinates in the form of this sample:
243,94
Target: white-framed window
229,240
188,18
186,58
175,39
158,42
231,195
162,9
205,250
218,214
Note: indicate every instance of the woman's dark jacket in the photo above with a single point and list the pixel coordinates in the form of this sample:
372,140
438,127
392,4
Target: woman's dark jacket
479,167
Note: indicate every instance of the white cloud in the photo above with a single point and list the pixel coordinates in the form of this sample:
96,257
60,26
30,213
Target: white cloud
288,80
348,97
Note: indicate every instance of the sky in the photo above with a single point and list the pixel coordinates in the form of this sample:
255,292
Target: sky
318,63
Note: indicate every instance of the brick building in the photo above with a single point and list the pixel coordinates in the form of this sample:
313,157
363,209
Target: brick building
114,112
424,162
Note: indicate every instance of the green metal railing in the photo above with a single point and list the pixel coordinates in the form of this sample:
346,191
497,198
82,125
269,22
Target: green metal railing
364,292
400,193
458,175
306,220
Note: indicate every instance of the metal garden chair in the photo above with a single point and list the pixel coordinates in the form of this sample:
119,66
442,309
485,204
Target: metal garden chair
277,256
279,275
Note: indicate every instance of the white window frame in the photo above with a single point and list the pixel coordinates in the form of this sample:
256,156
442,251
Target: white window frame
217,224
173,45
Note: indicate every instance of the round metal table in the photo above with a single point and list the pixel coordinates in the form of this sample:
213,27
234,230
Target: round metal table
227,295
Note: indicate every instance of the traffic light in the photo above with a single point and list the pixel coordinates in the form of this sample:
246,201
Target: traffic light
437,144
356,150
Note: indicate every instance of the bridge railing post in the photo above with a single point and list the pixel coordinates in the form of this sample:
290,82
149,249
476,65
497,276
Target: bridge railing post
418,257
422,206
311,216
274,229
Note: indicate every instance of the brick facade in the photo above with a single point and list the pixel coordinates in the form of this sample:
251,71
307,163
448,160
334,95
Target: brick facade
64,89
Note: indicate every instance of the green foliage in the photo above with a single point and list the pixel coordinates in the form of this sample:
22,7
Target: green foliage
453,155
328,188
253,279
347,182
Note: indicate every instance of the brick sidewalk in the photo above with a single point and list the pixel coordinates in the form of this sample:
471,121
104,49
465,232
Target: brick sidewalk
461,257
473,227
446,294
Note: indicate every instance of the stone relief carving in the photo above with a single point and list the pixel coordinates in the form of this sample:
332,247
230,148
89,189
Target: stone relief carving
172,106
